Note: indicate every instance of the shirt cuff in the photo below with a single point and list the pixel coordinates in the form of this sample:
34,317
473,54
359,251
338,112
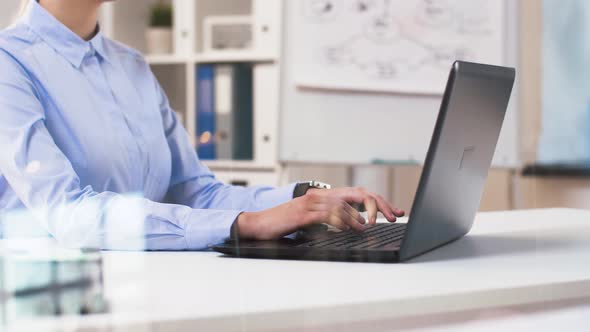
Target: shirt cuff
205,228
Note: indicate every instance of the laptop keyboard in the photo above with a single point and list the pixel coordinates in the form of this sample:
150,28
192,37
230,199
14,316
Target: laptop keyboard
376,236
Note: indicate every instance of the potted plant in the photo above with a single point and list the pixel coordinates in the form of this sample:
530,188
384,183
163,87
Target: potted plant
159,33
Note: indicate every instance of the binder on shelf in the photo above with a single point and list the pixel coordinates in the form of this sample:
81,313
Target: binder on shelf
267,26
224,111
205,112
243,122
184,27
266,79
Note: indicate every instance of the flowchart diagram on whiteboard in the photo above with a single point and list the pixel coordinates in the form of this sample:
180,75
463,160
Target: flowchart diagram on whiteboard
393,45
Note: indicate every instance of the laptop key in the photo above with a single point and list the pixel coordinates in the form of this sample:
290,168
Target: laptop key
375,236
348,235
381,243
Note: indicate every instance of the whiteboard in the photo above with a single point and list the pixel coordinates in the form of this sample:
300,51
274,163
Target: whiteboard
351,126
393,45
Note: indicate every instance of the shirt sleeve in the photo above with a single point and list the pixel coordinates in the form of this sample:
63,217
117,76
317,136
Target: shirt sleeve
194,185
44,180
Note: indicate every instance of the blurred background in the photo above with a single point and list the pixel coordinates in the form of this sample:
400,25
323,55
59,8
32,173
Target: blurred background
342,91
347,91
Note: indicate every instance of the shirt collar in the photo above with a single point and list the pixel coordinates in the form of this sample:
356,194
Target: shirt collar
98,43
61,38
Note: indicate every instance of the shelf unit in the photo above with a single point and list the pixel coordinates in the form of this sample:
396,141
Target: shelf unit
127,21
210,57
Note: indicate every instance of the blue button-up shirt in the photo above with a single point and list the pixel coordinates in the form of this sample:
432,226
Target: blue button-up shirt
90,146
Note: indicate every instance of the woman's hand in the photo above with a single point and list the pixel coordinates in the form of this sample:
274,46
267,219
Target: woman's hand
331,206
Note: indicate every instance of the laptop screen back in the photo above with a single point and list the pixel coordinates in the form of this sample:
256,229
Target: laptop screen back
459,156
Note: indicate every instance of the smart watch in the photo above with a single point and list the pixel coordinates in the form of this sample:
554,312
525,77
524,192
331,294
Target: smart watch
301,188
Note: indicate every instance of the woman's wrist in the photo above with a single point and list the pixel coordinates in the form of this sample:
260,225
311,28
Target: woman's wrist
241,226
275,222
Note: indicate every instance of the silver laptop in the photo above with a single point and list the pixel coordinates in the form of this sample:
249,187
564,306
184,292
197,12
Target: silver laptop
450,189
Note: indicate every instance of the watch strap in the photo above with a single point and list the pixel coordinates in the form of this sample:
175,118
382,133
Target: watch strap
302,187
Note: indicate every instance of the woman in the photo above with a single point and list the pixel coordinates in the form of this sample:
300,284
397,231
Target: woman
85,126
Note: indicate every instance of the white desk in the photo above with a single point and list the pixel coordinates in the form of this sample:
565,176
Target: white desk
508,259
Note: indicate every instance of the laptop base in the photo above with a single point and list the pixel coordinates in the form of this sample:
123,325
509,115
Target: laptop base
285,249
325,245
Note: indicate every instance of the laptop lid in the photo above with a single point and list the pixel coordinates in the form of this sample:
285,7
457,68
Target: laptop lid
459,157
